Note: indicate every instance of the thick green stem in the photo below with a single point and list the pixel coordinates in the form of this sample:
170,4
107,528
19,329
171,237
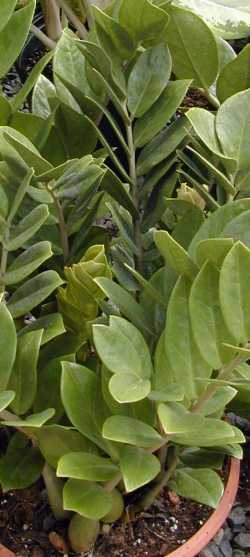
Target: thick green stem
54,486
133,176
87,9
46,41
164,478
72,17
52,19
211,98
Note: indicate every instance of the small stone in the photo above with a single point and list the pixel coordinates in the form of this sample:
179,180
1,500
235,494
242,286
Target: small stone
228,534
237,518
211,551
206,553
238,553
247,523
226,549
219,537
242,540
58,542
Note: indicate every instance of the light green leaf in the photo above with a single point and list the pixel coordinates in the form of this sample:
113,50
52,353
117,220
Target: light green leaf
34,420
182,353
33,292
235,76
190,39
173,393
213,250
161,112
55,441
52,326
21,466
219,401
162,146
124,429
7,9
229,18
119,38
27,262
86,498
144,20
138,467
233,128
27,227
6,398
148,78
8,343
175,255
239,228
19,98
23,379
209,328
234,292
14,30
86,466
129,387
44,93
18,150
202,485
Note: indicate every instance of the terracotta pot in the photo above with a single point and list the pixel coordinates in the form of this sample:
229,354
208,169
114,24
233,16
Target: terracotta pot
200,540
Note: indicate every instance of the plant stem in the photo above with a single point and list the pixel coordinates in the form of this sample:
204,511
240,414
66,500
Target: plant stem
87,9
52,19
80,27
132,173
211,98
109,486
151,495
48,43
223,375
61,223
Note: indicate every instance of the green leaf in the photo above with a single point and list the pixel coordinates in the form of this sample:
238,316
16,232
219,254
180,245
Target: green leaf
27,227
213,250
175,255
120,40
148,79
78,384
18,151
203,458
182,353
235,76
162,146
124,429
86,498
33,292
23,379
238,228
229,18
55,441
129,388
219,176
52,326
21,465
48,387
86,466
138,467
32,421
44,93
7,9
5,111
144,20
161,112
126,304
14,30
8,343
19,98
202,485
27,262
190,39
219,401
209,328
234,293
233,128
192,429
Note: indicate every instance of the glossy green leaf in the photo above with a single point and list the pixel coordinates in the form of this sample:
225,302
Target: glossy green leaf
213,250
209,328
32,421
129,388
6,397
33,292
8,343
202,485
124,429
148,78
20,152
144,20
52,326
162,146
233,126
138,467
27,262
190,39
203,458
86,498
183,355
234,294
125,303
119,37
173,393
175,255
23,379
235,76
18,100
238,228
86,466
48,387
44,93
229,18
55,441
13,34
27,227
219,401
7,9
21,466
161,112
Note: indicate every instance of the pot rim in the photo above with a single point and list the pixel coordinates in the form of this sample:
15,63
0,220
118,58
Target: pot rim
206,533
